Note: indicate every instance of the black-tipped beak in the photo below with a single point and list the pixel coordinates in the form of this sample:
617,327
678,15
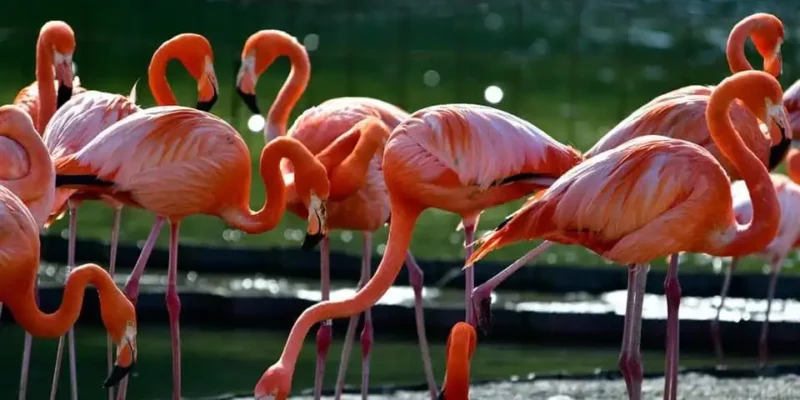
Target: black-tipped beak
312,240
440,396
778,152
207,105
249,101
117,373
64,94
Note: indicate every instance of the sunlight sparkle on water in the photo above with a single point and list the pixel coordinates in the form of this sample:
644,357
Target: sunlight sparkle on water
256,123
493,94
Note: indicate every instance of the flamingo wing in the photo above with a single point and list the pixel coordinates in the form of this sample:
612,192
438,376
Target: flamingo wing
82,118
631,205
691,90
683,118
482,146
788,194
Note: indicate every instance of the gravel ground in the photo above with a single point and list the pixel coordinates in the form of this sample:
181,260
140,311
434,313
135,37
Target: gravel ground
690,387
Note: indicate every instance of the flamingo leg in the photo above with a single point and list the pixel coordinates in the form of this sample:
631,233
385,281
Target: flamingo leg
672,289
26,356
350,335
367,337
112,262
174,309
482,295
132,285
325,332
73,228
415,278
349,338
716,337
630,359
773,282
469,275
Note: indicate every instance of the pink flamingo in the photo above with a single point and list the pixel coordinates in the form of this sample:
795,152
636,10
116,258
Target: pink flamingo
160,154
775,253
670,116
635,203
461,158
359,199
82,118
73,126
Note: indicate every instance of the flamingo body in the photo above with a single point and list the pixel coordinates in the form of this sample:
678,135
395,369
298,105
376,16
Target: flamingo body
632,204
788,193
198,156
317,127
465,158
680,115
79,121
791,100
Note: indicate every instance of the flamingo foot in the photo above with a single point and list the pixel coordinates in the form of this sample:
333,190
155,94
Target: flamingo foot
324,339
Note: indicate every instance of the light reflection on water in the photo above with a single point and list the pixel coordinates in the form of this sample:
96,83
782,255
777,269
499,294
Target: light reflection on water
655,307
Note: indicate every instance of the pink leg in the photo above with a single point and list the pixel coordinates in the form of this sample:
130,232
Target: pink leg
26,357
174,309
716,337
112,262
630,360
672,289
325,332
481,296
469,275
73,228
367,338
132,285
762,341
350,335
415,277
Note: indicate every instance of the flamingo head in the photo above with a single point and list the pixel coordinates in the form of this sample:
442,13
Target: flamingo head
275,384
195,53
59,37
119,318
768,36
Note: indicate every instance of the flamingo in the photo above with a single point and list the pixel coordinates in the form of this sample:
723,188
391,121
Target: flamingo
462,158
19,241
634,203
670,116
54,50
460,348
83,117
359,197
788,238
161,154
26,170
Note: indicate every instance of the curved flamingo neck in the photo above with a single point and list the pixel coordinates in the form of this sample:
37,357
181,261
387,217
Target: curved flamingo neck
460,347
157,76
347,159
404,218
39,183
45,80
294,87
40,324
274,206
734,49
756,235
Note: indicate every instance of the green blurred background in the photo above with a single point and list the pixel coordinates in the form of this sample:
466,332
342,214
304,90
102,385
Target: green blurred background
572,67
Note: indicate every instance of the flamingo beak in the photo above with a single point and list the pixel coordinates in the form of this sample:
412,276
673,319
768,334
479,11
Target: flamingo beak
208,88
317,225
64,75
